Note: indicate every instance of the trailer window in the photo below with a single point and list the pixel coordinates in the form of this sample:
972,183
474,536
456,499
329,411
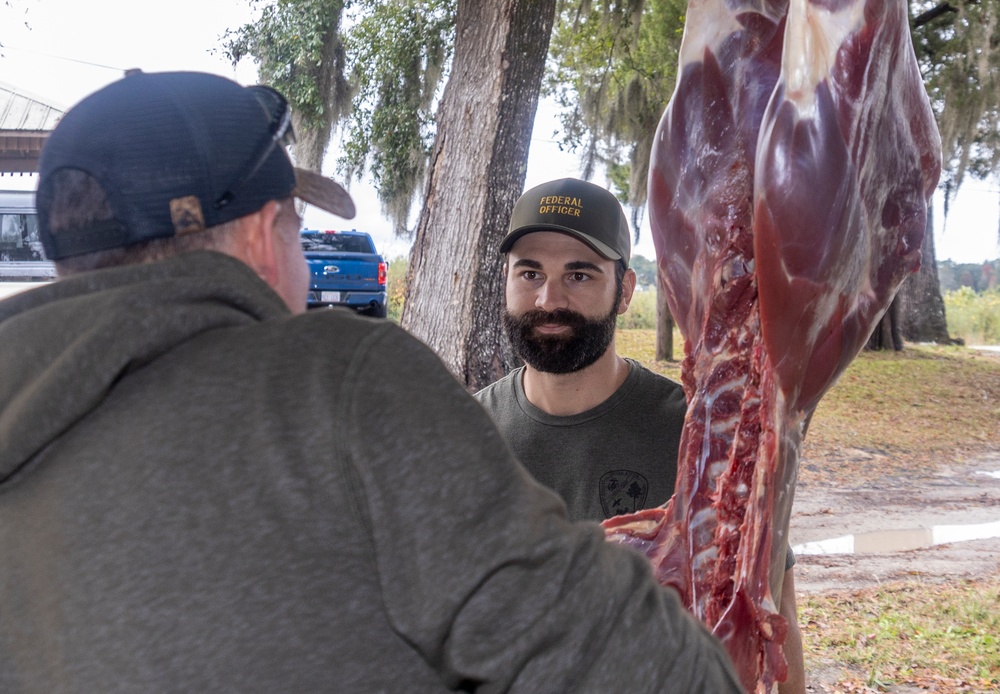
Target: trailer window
19,237
336,243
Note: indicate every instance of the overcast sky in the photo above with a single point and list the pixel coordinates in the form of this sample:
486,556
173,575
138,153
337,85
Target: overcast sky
70,48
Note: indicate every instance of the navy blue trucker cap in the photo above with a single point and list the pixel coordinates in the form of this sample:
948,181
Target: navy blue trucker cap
581,209
175,153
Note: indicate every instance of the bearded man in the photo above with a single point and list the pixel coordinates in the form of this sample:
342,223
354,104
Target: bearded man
600,429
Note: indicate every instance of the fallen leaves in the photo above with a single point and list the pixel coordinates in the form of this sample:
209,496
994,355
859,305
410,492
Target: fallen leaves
905,636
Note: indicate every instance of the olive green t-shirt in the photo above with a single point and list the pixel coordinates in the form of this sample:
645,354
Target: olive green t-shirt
616,458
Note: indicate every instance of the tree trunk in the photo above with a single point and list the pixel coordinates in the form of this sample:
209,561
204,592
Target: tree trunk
921,307
476,174
664,324
917,312
887,334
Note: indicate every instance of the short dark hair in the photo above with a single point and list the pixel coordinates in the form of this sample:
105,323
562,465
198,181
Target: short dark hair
75,199
619,281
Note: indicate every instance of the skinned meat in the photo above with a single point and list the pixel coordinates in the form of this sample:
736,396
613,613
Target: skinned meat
788,194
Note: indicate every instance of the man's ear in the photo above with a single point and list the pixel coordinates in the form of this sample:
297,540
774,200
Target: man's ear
259,242
628,287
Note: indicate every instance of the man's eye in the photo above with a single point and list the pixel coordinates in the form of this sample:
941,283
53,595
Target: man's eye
529,275
579,277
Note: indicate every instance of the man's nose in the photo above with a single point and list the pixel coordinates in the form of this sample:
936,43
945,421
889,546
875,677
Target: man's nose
551,295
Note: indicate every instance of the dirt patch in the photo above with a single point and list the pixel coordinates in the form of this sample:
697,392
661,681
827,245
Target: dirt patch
913,495
901,498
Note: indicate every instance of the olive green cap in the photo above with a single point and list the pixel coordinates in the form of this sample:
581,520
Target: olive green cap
578,208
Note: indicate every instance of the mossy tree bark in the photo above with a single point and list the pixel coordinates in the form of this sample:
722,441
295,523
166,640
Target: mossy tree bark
475,175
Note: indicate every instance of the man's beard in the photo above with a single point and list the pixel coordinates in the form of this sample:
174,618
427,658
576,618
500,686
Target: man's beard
587,340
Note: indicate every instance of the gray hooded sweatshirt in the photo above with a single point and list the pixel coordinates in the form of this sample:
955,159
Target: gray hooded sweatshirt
202,492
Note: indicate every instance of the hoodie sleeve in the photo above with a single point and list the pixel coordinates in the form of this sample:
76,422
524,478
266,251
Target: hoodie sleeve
478,566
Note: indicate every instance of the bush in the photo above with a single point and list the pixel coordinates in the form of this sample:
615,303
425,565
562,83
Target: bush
396,287
641,314
974,316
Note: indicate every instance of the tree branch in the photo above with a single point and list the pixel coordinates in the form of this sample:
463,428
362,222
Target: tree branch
933,13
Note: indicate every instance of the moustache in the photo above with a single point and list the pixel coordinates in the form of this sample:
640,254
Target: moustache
533,319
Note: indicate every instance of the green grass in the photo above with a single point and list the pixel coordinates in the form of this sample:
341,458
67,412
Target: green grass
906,403
910,401
939,637
396,287
641,312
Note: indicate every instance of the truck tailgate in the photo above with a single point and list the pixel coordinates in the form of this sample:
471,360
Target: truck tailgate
344,272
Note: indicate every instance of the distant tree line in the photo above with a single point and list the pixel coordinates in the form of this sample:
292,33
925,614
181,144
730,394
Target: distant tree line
977,276
645,271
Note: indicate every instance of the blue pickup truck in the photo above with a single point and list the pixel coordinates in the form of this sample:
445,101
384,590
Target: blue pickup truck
345,270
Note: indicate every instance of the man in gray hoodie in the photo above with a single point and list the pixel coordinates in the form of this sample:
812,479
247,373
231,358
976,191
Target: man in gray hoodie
204,488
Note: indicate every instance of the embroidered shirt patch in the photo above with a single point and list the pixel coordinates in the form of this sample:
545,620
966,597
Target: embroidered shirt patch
623,491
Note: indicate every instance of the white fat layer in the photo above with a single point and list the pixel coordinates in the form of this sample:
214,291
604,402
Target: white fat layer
724,426
705,559
813,35
639,527
825,306
738,384
708,23
702,528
